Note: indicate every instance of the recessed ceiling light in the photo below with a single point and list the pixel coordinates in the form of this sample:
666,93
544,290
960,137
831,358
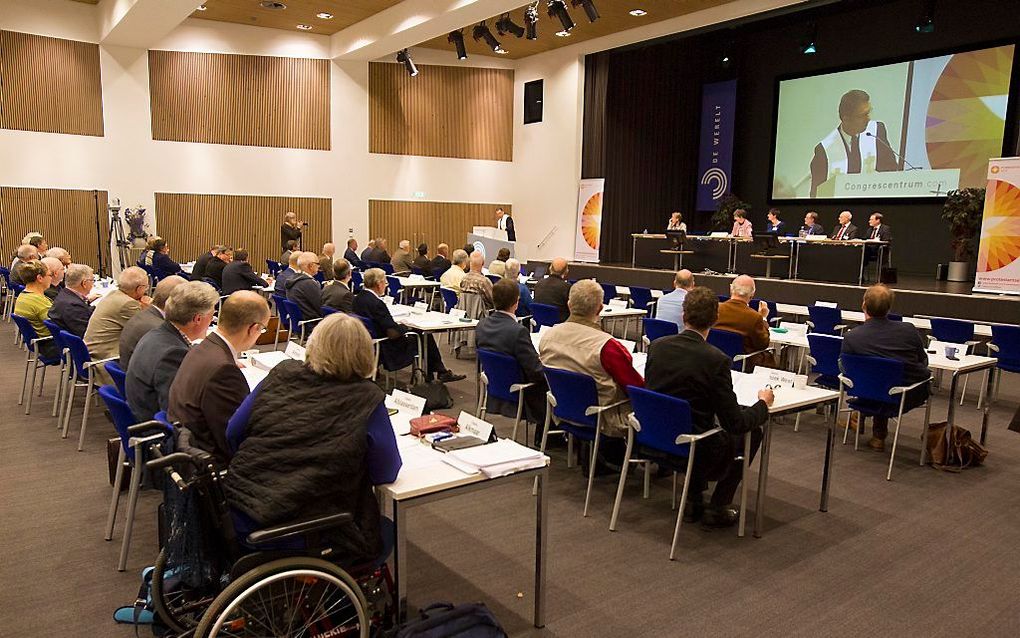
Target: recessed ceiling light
202,7
274,6
304,27
322,15
502,51
637,13
563,34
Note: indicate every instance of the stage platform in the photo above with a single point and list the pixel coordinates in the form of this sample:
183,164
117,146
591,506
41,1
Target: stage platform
915,295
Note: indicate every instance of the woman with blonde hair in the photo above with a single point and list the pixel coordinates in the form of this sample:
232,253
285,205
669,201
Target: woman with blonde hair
313,439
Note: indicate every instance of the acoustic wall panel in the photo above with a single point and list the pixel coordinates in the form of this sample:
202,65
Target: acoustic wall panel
248,100
50,85
191,223
75,220
428,222
444,111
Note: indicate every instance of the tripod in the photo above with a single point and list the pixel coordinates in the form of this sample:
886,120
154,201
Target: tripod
117,235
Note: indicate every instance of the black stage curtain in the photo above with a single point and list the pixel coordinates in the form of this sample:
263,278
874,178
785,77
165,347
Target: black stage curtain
596,80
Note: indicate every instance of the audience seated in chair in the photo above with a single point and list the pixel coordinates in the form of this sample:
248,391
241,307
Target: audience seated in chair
324,457
303,289
189,311
475,282
26,253
399,350
208,386
148,319
289,248
112,313
56,277
737,316
670,307
366,255
455,274
687,367
238,275
162,264
401,259
421,261
554,290
498,265
216,266
899,340
351,253
441,262
337,293
72,308
512,271
33,305
198,270
280,287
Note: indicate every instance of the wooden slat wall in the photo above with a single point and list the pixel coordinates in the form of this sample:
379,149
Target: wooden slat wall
248,100
191,223
444,111
50,85
429,222
66,218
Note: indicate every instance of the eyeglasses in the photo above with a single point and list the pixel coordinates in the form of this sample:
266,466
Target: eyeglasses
263,328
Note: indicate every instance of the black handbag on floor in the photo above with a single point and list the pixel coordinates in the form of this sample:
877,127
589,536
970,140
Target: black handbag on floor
444,620
436,396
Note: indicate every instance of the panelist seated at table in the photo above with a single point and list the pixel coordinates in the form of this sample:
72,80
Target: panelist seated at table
323,458
397,350
736,315
687,367
676,222
774,225
742,226
880,232
845,231
811,225
899,340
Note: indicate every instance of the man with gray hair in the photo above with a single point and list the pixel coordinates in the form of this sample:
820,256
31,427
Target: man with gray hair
61,254
290,269
26,252
581,345
671,307
845,230
72,308
146,320
303,289
401,259
112,313
337,293
477,283
326,260
736,315
455,274
189,311
56,276
512,271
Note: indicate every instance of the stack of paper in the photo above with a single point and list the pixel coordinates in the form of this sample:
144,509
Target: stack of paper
268,360
498,459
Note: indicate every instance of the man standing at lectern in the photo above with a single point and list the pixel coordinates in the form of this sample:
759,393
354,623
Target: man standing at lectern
505,222
858,145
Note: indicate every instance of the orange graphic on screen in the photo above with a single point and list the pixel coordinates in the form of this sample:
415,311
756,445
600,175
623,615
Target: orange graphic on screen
591,221
1000,230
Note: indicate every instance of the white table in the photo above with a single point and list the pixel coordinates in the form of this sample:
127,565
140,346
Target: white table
856,316
966,364
790,339
423,323
788,401
613,313
420,283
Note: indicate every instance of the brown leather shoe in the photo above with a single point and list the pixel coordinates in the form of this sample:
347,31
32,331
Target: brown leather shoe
877,444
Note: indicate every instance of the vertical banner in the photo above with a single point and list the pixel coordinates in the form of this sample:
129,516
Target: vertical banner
998,267
715,157
589,219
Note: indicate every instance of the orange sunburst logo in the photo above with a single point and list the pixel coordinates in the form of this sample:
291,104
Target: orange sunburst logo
591,221
1000,228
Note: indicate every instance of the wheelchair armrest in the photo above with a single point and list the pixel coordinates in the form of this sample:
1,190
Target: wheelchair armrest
596,409
690,438
319,524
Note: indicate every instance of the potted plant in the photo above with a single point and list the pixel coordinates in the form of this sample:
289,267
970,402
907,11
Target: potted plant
962,212
722,219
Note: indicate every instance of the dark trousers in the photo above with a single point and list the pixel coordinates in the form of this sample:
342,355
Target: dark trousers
399,353
715,460
915,398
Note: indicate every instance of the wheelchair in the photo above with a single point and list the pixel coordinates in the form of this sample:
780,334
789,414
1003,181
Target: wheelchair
206,583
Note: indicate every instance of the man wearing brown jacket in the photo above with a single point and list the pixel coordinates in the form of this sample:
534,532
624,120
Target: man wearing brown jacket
736,315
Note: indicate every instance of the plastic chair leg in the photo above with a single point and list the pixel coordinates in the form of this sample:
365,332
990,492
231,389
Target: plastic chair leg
623,479
85,415
31,389
796,425
24,382
115,498
591,466
73,384
136,482
517,420
683,503
895,438
648,479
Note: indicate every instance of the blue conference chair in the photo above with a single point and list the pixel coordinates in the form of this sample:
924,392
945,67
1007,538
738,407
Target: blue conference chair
449,298
823,355
641,298
660,426
1005,347
118,375
327,311
394,288
8,293
274,267
82,376
296,322
390,364
774,317
572,403
544,315
34,359
825,320
437,273
357,280
656,328
58,399
135,439
386,268
732,345
954,331
501,378
608,292
873,386
494,278
283,318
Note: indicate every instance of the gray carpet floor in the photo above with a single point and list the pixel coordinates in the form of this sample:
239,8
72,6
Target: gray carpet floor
927,554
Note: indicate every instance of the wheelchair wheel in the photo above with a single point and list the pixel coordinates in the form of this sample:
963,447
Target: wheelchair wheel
177,605
288,597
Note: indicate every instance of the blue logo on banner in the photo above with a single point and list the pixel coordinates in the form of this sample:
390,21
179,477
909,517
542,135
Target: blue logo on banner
715,156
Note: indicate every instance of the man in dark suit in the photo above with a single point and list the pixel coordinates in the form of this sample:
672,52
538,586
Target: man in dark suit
686,366
554,290
162,264
878,230
157,357
880,337
398,351
290,269
441,262
198,270
215,268
844,230
304,290
351,254
501,332
505,222
72,308
379,254
238,274
858,145
811,225
366,255
288,250
147,319
337,293
209,386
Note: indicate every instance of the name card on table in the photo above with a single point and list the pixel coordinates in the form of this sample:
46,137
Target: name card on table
406,402
815,238
474,426
794,328
420,307
826,304
780,378
458,313
295,351
416,277
618,303
719,234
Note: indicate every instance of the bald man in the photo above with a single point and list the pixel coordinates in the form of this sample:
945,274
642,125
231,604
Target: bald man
56,276
671,307
554,290
402,259
475,282
736,315
326,260
845,230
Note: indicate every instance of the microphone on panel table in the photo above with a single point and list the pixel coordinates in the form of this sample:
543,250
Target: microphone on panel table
902,160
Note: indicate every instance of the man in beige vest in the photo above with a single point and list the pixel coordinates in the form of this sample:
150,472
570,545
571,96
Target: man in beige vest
103,334
581,345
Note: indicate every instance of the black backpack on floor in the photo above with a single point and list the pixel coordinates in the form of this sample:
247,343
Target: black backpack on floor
444,620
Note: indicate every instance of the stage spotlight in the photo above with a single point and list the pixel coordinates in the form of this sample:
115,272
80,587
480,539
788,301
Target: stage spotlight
457,39
558,9
506,25
481,32
405,58
531,21
589,7
926,23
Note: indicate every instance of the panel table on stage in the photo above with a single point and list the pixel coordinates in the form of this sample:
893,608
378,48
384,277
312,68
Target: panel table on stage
748,260
653,251
837,261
